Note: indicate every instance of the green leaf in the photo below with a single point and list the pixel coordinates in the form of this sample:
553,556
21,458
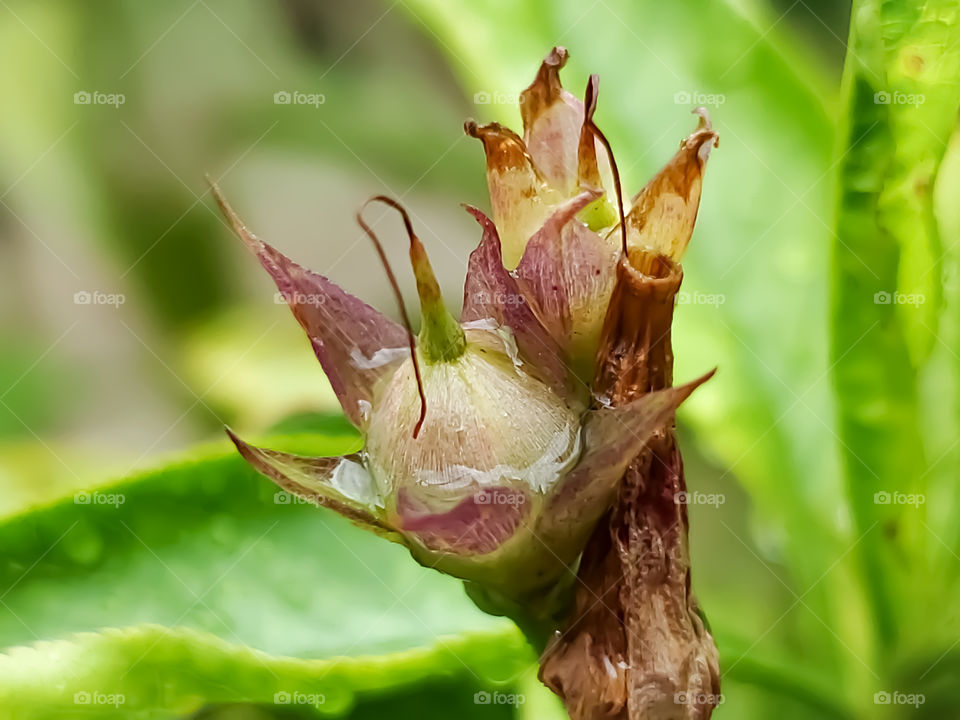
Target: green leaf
939,409
939,394
809,686
157,672
902,103
205,545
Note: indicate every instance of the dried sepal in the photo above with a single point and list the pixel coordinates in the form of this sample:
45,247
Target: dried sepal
646,644
594,169
551,124
520,197
663,214
588,168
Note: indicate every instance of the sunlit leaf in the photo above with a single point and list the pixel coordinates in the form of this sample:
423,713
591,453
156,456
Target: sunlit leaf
205,543
115,673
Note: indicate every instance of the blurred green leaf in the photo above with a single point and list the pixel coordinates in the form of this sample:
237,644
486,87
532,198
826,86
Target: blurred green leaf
206,543
940,378
115,672
256,377
33,393
931,676
903,99
34,474
808,686
939,408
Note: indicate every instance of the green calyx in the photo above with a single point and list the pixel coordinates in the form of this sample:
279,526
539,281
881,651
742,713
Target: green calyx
441,337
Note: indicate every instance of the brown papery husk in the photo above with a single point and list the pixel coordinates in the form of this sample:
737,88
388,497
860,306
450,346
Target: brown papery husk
635,646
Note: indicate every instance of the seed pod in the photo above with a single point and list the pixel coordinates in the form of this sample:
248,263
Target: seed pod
478,455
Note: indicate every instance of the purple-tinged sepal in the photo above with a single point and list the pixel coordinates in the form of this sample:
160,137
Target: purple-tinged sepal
357,345
492,300
567,274
613,437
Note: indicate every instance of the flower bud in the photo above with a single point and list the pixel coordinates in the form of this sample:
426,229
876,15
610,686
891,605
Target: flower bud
485,452
552,192
478,454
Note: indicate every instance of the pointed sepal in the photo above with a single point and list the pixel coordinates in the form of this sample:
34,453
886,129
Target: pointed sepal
520,197
441,337
613,437
663,214
356,344
339,483
552,118
567,274
491,293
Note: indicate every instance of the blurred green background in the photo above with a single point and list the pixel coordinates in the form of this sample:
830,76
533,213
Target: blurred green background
133,326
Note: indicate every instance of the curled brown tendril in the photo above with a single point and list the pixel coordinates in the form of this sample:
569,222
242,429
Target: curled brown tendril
590,105
396,291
